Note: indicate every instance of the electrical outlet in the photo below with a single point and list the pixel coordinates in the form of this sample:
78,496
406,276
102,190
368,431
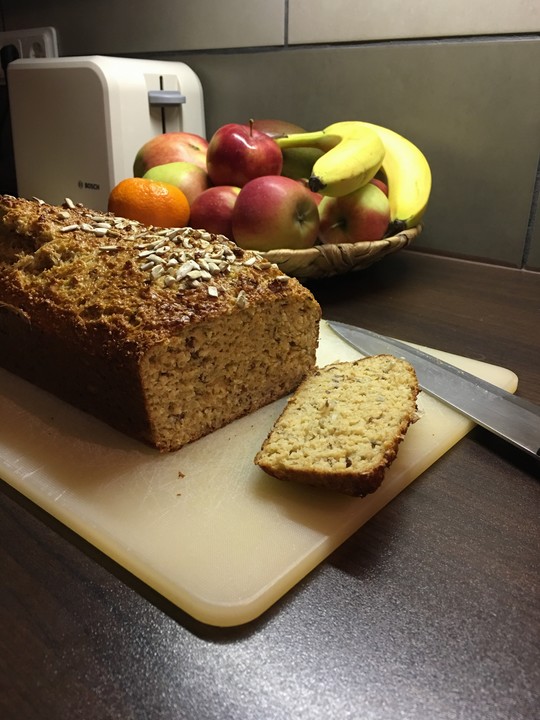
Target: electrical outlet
31,43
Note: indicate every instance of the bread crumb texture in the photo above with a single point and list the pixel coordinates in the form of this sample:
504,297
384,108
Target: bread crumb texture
342,427
166,334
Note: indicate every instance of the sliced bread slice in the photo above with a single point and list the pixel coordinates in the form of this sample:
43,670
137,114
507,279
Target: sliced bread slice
342,427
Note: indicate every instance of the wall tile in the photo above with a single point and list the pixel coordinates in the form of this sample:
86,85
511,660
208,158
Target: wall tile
134,26
321,21
471,106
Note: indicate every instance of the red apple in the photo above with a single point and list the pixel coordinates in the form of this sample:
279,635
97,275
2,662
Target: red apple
276,127
380,184
362,215
238,153
170,147
275,212
213,209
190,178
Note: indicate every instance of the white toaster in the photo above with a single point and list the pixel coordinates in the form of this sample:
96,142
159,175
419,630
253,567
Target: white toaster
78,122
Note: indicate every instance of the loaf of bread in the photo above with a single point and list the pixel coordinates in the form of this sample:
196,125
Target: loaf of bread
164,334
342,427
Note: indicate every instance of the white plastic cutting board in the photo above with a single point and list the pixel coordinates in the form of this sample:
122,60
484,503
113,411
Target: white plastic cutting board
203,526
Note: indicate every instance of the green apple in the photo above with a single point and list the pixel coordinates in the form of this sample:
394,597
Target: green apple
190,178
297,162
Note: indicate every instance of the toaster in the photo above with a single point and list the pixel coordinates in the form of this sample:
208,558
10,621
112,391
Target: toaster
78,122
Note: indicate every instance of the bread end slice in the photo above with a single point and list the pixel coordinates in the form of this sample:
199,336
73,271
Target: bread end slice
342,427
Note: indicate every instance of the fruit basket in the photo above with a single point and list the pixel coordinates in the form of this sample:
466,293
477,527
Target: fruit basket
327,260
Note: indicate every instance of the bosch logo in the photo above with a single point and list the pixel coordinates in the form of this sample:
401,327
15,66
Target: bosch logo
88,185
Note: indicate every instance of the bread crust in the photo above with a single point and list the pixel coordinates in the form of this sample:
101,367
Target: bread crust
83,307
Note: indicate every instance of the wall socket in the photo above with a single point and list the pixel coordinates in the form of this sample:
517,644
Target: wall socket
31,43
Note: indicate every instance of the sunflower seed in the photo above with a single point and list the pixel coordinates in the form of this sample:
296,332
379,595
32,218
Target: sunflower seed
156,259
241,299
186,268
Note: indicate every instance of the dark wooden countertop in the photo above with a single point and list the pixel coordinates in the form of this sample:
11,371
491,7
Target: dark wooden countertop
430,611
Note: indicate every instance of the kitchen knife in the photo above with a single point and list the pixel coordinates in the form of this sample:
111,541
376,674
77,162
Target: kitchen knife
512,418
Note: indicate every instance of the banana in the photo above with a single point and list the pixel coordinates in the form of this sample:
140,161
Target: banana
353,153
352,158
409,178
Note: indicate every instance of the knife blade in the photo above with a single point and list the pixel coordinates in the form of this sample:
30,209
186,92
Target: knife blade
512,418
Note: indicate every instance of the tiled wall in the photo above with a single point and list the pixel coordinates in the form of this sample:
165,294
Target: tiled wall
459,78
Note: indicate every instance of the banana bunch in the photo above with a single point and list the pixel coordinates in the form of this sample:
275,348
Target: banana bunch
352,155
354,152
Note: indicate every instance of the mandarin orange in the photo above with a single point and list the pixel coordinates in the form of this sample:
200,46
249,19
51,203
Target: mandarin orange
151,202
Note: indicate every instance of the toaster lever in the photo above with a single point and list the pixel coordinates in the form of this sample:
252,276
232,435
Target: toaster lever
165,97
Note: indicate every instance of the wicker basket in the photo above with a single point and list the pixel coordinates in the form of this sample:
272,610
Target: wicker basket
326,260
